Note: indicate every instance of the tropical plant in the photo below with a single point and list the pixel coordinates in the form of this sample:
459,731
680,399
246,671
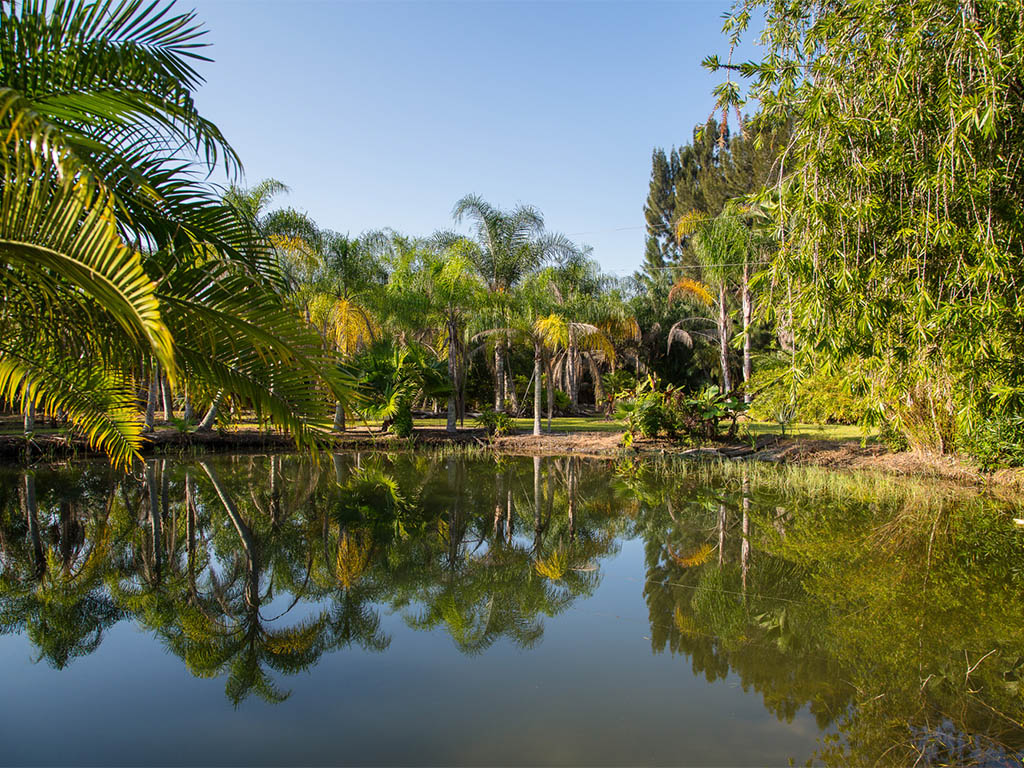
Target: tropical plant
388,379
900,215
104,230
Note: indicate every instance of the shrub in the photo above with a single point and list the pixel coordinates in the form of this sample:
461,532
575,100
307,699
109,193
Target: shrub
401,425
818,398
563,404
651,411
495,423
997,442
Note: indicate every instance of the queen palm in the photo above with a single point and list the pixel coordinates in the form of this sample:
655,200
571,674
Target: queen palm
721,246
449,281
504,255
584,298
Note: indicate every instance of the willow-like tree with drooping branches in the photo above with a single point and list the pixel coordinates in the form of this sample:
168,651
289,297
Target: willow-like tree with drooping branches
899,211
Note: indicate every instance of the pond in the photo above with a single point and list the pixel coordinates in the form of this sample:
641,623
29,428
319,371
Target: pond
432,608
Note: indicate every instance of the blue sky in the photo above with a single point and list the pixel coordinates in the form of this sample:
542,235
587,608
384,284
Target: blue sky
385,113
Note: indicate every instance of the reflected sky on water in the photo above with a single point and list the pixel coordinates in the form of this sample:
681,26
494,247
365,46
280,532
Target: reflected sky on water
432,609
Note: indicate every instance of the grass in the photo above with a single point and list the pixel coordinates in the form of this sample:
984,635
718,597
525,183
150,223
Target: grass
595,424
817,431
599,424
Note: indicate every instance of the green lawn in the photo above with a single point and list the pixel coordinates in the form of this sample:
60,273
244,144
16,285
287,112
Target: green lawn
558,424
599,424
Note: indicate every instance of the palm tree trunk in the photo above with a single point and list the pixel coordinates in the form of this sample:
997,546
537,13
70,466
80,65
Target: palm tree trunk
453,377
187,413
211,416
30,415
551,392
721,534
156,529
599,393
570,476
573,373
748,311
165,390
745,545
339,417
499,375
154,391
510,389
537,364
723,339
28,505
244,533
190,529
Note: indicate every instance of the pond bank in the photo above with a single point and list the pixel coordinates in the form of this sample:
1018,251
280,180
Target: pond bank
836,454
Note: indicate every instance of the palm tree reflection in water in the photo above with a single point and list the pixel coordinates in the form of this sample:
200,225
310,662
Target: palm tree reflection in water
251,568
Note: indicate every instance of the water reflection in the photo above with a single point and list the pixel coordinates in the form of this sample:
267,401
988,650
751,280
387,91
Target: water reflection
894,618
214,555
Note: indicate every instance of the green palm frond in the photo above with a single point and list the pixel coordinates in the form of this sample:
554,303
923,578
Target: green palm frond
59,237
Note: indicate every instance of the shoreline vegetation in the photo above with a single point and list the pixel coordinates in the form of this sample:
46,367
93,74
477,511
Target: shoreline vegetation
834,448
802,265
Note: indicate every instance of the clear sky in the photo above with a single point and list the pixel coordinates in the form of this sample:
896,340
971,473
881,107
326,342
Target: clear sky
383,114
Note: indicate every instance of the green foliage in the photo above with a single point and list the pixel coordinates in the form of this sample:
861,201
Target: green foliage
817,398
117,262
651,411
996,442
563,404
902,212
388,377
401,424
619,380
495,423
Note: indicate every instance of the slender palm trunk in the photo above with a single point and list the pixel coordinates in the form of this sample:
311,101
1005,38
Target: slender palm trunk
154,392
723,339
168,399
510,390
244,533
570,473
453,376
572,372
538,499
187,412
551,392
31,512
537,371
721,534
599,393
155,521
190,530
748,312
339,417
30,415
745,545
499,375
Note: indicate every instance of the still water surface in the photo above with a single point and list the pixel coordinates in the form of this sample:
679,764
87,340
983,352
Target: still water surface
431,609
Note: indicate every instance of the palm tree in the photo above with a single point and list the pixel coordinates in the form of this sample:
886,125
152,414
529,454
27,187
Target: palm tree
504,255
104,230
454,290
720,245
